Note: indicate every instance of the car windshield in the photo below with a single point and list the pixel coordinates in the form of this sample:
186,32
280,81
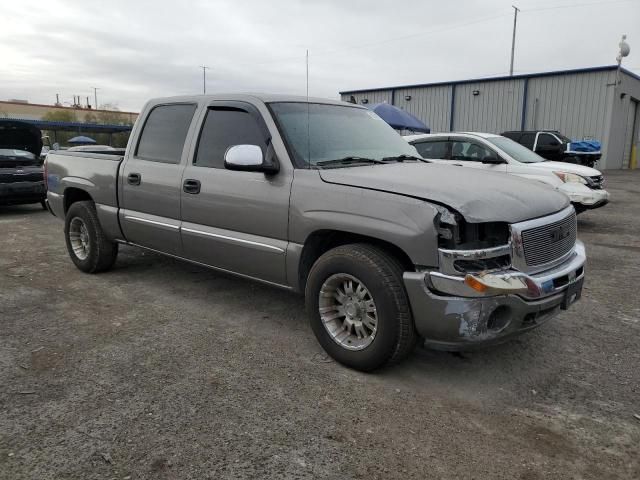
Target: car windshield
515,150
15,154
321,135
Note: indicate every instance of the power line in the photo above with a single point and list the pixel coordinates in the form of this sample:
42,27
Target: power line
575,5
380,42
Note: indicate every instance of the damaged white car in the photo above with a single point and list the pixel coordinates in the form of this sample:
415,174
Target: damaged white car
583,185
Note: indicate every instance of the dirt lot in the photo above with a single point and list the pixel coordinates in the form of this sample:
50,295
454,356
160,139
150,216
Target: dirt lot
160,369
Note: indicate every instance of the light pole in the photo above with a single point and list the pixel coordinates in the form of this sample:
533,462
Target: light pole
625,49
95,96
513,39
204,78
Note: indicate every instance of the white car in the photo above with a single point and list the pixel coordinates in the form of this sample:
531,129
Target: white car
583,185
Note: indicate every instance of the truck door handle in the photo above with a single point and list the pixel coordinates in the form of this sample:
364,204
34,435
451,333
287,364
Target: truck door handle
134,179
191,186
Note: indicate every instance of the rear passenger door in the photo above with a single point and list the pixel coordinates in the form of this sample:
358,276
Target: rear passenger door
235,220
151,179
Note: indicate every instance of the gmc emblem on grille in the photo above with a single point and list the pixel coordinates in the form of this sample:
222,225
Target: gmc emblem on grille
559,233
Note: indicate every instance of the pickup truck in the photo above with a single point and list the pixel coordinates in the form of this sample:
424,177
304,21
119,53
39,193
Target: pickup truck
554,146
323,198
21,174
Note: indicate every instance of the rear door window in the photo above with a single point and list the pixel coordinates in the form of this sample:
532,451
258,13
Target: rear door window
165,132
469,151
436,149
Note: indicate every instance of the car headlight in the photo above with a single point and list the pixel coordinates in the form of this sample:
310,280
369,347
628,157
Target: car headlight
567,177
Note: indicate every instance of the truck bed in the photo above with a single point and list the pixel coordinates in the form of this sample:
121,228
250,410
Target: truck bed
95,174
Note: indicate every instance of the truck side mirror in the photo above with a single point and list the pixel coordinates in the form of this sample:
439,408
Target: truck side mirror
248,158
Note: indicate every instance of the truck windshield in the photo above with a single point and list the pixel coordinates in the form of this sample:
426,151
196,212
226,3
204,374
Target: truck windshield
317,134
515,150
21,157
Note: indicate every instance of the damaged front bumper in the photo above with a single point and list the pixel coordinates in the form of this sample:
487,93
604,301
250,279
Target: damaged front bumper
449,314
583,197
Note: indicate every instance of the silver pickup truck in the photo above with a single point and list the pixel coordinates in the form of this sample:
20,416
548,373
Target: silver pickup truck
324,198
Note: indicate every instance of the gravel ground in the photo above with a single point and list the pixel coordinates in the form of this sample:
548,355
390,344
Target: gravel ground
160,369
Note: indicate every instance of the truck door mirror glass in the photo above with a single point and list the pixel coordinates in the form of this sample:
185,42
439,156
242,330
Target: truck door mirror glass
248,158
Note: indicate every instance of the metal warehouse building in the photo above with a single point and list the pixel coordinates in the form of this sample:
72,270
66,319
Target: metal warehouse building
583,103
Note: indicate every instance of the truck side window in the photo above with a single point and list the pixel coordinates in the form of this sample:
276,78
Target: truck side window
223,128
164,133
544,139
436,150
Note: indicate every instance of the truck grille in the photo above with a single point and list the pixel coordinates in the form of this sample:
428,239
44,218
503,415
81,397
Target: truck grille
14,177
547,243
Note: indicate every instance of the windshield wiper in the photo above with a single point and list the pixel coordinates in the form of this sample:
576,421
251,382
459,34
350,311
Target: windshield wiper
351,160
402,158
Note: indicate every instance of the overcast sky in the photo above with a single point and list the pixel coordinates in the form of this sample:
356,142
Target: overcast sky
136,49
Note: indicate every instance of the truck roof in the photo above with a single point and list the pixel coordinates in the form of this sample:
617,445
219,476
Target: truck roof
264,97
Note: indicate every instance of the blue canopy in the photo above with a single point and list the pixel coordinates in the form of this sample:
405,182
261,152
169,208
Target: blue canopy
82,140
398,118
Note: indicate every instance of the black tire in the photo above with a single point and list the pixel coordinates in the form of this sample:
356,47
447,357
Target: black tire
381,274
44,205
101,253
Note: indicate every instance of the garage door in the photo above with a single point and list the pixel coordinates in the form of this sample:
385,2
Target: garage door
631,133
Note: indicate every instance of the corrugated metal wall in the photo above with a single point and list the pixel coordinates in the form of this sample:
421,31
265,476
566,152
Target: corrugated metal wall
574,104
496,107
580,105
373,97
431,105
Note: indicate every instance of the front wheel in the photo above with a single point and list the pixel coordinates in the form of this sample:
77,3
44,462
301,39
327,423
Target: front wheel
87,244
358,307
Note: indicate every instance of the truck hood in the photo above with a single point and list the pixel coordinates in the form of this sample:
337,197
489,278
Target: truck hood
566,167
479,196
17,135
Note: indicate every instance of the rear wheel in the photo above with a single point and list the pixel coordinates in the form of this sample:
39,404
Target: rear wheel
44,205
87,244
358,307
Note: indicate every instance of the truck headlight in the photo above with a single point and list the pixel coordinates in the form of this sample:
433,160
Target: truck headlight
567,177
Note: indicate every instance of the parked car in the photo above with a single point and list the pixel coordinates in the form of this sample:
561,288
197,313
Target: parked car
552,145
323,197
486,151
21,175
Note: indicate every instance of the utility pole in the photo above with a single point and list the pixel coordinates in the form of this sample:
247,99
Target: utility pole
95,96
204,78
513,40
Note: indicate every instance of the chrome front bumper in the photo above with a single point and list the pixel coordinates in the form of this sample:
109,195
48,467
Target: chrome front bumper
451,315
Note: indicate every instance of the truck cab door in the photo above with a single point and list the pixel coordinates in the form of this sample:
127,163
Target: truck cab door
151,175
235,220
548,146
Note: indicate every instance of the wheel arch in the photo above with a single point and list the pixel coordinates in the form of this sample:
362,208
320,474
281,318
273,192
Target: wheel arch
321,241
72,195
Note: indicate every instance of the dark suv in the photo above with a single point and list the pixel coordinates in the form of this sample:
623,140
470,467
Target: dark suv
21,172
552,145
